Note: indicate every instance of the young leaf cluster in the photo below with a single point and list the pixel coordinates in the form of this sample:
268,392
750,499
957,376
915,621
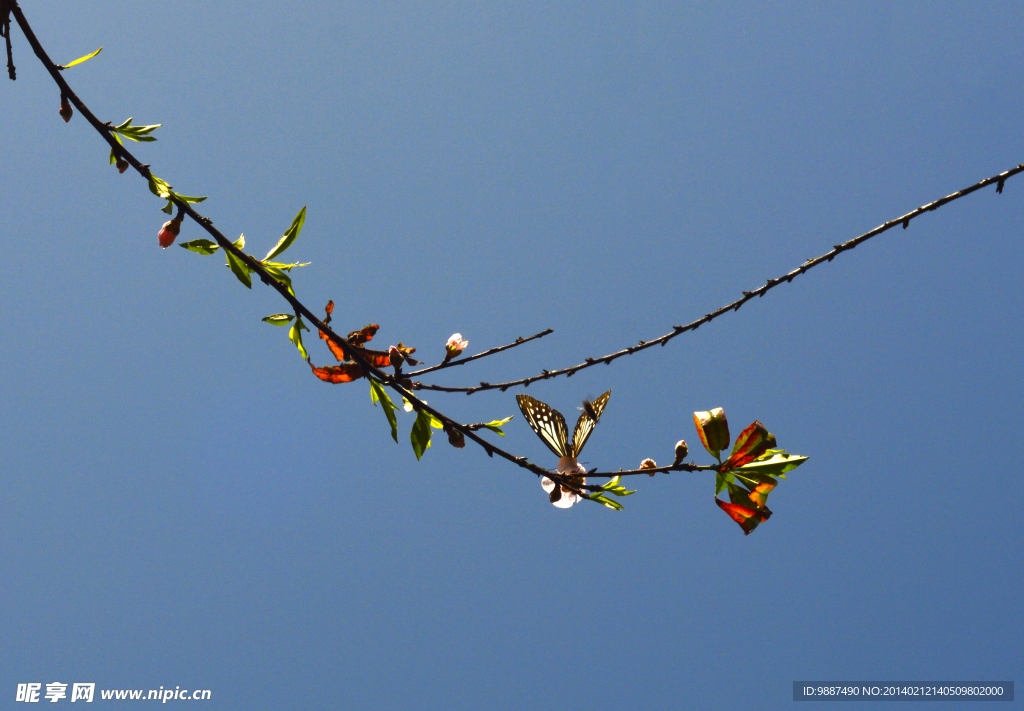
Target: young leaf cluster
611,487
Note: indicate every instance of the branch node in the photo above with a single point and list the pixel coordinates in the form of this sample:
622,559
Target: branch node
999,186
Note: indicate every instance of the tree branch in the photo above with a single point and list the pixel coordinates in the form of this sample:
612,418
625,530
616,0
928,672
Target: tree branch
452,363
255,266
998,180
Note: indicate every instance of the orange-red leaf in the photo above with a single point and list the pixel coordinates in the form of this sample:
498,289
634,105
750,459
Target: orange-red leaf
378,359
330,310
363,335
747,517
750,445
335,348
760,493
345,373
407,353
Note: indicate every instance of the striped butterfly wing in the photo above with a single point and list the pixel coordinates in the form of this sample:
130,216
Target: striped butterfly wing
547,423
588,420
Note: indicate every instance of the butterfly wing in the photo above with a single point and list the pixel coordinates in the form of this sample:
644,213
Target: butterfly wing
548,423
585,425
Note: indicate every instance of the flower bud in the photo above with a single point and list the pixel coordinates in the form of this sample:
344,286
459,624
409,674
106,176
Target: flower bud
122,165
65,109
649,464
713,429
681,452
456,438
454,346
396,357
169,232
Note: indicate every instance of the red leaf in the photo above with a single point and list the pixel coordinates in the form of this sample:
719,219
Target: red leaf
750,445
747,517
335,348
378,359
363,335
330,310
407,353
760,493
344,373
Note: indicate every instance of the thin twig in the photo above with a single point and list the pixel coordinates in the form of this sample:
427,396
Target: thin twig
999,180
657,470
451,363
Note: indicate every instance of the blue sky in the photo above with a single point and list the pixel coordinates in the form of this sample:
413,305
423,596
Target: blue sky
185,505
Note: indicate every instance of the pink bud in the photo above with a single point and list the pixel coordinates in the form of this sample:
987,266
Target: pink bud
681,451
455,346
396,357
122,165
168,232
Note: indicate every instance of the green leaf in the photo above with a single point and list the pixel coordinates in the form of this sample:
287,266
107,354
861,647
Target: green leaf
290,235
240,242
189,198
278,319
169,207
201,246
135,133
610,503
285,267
722,481
614,487
434,422
420,434
295,335
377,394
113,157
82,59
495,425
242,272
159,187
280,276
774,462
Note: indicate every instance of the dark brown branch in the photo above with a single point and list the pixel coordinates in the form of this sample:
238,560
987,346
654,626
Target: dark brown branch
257,268
657,470
451,363
5,32
999,180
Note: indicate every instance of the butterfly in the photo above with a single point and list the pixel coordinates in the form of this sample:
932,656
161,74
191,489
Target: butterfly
550,426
